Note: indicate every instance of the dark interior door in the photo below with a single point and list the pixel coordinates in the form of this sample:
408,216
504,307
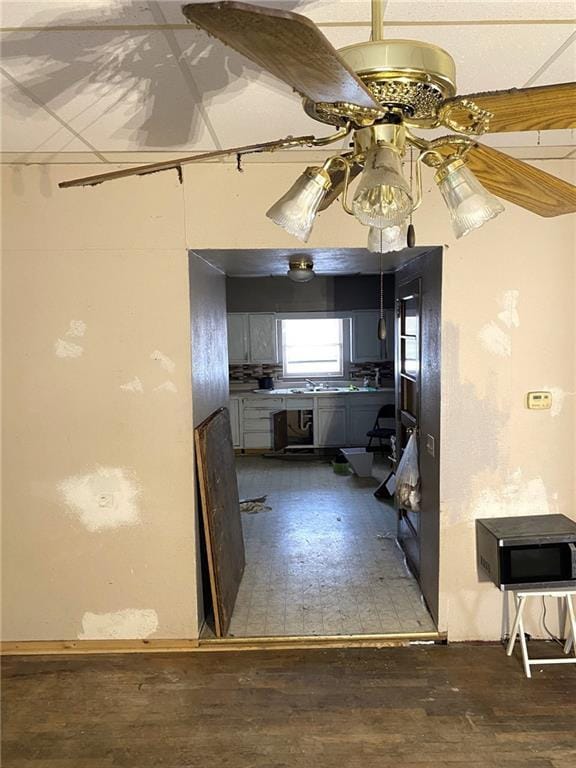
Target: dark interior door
408,314
417,371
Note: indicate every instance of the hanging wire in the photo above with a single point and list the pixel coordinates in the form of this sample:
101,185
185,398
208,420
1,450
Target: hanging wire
548,632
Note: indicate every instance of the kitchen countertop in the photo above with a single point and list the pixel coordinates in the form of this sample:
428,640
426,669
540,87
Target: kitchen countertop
285,392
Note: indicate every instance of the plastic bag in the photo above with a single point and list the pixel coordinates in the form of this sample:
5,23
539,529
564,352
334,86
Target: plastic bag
408,478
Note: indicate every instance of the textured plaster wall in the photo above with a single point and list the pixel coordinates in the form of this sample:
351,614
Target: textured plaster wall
508,326
98,496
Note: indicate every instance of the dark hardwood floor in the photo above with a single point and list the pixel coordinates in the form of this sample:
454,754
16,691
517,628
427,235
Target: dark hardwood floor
460,706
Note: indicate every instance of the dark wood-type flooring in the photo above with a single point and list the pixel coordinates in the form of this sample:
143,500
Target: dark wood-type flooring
460,706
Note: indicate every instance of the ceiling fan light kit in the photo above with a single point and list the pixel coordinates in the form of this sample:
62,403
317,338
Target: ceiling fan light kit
470,205
296,210
387,239
380,92
301,271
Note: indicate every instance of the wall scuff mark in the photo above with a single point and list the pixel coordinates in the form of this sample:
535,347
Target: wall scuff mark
164,360
493,337
107,498
63,348
516,497
76,328
509,315
133,386
167,386
495,340
128,624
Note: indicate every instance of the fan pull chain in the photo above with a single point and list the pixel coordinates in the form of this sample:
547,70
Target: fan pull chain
411,234
382,331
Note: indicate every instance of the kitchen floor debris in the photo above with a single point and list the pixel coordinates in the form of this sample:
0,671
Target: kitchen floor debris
323,559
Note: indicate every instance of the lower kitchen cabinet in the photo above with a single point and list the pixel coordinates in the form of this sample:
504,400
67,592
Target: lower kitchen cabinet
234,408
361,420
338,420
330,426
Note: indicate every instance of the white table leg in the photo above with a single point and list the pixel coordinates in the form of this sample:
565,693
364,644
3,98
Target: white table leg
571,639
523,645
519,608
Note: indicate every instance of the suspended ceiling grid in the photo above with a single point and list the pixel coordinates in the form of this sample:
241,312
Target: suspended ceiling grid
109,80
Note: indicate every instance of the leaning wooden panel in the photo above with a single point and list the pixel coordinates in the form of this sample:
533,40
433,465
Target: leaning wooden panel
220,514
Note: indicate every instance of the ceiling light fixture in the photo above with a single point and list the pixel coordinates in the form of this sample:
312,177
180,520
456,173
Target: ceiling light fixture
388,239
296,210
470,205
301,271
377,93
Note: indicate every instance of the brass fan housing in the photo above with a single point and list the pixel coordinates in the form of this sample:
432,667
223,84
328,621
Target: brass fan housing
406,76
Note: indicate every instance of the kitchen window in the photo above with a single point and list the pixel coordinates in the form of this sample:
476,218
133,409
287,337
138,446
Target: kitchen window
312,347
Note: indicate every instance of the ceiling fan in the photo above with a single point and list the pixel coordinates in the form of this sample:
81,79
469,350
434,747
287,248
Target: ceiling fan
377,93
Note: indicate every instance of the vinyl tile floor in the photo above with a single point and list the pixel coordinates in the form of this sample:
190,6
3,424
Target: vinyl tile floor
323,560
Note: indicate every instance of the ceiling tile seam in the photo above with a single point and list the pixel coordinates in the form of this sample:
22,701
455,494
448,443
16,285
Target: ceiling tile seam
551,59
51,112
328,24
191,84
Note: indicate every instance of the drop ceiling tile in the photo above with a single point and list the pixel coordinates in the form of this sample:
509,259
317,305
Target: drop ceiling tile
562,70
488,10
36,13
243,103
123,91
487,58
28,127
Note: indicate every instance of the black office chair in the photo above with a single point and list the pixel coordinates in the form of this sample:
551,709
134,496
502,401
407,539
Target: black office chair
382,433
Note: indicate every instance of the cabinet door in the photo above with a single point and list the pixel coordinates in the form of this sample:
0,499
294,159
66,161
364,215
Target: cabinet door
235,421
390,316
331,426
361,420
366,346
263,341
237,338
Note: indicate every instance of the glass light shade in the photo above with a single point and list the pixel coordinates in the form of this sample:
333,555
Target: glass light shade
469,203
387,239
383,198
296,210
301,271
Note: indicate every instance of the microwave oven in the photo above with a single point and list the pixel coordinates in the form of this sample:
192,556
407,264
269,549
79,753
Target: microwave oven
527,551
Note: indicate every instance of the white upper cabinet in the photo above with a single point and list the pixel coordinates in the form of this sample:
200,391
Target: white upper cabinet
238,348
263,338
252,338
390,333
366,346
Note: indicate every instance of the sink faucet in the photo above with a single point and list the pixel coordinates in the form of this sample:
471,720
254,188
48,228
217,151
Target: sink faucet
310,382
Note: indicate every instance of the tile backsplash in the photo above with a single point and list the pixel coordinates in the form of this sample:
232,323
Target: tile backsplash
250,373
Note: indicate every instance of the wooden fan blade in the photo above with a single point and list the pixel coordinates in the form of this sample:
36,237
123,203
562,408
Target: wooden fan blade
520,183
337,177
288,45
541,108
167,165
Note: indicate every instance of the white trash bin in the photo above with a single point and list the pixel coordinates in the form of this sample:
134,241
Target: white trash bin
360,460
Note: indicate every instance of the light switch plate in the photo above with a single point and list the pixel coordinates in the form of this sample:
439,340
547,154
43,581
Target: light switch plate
539,401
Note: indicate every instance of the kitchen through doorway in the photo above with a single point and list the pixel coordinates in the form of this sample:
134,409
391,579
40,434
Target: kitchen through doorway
313,401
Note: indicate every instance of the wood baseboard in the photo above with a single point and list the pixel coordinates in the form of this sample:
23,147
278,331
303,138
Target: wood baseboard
212,644
302,642
55,647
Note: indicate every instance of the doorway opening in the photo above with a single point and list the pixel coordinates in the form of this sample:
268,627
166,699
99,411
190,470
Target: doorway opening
320,417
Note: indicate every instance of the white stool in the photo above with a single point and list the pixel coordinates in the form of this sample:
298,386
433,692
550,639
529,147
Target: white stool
518,626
